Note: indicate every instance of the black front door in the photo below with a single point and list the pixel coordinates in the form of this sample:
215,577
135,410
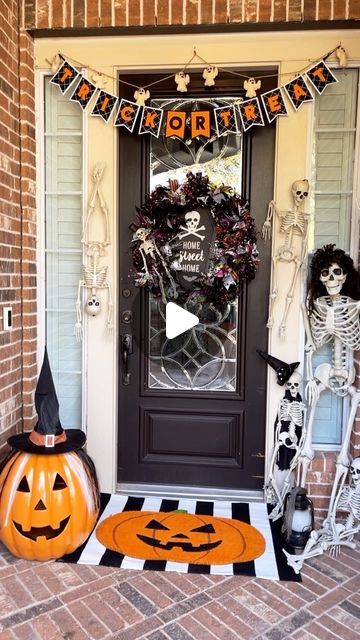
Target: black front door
192,409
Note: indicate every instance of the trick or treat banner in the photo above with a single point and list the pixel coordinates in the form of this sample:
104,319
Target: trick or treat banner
249,110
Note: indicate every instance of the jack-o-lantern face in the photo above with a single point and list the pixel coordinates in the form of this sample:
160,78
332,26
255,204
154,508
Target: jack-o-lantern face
180,537
48,504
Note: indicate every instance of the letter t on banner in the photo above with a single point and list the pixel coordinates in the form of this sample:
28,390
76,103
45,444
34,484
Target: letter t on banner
225,120
250,114
320,76
65,76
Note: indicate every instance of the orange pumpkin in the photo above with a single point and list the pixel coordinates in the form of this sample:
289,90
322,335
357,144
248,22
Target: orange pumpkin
48,503
181,537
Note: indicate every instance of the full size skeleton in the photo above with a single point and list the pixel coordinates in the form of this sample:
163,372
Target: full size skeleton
331,316
289,437
93,275
293,223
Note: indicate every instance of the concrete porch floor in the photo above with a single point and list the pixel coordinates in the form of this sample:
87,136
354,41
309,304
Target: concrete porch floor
51,601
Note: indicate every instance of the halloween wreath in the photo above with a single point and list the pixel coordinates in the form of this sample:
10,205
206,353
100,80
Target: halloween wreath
195,240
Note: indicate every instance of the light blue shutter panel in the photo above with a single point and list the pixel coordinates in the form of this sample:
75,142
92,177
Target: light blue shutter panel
332,181
63,214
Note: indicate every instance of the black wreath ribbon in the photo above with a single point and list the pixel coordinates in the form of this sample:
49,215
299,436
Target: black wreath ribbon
233,256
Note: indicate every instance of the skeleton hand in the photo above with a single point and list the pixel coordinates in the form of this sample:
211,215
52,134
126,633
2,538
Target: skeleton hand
266,230
312,392
78,332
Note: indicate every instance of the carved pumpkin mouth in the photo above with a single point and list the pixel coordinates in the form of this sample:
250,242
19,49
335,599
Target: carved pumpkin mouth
185,546
48,532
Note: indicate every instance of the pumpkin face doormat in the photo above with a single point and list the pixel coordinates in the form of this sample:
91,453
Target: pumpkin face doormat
185,535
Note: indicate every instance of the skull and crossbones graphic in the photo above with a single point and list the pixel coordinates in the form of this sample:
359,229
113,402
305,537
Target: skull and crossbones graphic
192,221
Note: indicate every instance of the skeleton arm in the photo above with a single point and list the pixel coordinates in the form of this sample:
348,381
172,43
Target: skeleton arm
311,393
109,325
78,324
266,228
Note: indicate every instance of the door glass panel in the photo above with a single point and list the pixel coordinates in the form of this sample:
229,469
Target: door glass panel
205,357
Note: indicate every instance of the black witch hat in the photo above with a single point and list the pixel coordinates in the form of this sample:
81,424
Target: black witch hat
283,369
48,436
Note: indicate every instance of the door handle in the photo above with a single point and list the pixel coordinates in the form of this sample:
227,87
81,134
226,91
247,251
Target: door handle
127,349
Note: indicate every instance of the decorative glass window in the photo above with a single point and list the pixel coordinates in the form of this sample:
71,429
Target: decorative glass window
63,253
332,190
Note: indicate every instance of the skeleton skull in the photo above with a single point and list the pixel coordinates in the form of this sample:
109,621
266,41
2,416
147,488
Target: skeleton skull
299,190
355,471
192,219
141,234
93,306
333,279
294,383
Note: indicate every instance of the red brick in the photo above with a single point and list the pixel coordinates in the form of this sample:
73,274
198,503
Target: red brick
105,13
265,10
134,13
176,12
42,14
79,13
324,12
149,12
294,11
192,11
339,9
280,10
92,15
354,10
162,12
120,13
235,8
220,11
57,13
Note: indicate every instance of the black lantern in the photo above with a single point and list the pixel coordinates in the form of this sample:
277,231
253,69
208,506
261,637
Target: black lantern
298,520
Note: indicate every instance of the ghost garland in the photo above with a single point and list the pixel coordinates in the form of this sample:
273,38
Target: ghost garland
156,244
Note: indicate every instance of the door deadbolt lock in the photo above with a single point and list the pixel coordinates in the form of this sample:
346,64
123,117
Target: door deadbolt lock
127,316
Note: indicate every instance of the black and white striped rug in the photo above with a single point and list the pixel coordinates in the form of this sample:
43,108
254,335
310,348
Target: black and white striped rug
272,564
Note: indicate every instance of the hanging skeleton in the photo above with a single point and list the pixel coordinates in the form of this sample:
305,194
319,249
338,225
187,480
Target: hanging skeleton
331,316
148,249
289,435
93,275
292,223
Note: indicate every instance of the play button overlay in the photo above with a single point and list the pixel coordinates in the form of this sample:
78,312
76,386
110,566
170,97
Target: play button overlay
178,320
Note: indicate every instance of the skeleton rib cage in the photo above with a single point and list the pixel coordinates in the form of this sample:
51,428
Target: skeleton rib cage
339,318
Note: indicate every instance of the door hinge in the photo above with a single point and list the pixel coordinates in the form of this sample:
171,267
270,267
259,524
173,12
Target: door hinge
258,455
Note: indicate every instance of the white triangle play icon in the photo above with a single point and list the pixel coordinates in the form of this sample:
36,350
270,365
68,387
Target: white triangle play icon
178,320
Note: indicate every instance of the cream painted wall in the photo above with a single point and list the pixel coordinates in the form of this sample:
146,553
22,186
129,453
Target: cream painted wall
292,51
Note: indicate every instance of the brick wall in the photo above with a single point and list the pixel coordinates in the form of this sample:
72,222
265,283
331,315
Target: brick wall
45,14
17,254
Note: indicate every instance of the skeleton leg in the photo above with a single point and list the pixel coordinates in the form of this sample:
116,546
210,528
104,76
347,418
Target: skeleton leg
105,210
307,451
273,294
289,298
171,279
343,460
78,324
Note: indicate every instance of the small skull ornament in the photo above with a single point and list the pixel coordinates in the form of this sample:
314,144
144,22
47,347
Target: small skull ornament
92,306
355,471
300,191
293,385
141,234
192,219
333,279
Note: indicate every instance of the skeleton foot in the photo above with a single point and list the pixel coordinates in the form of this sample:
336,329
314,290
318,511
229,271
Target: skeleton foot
270,323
